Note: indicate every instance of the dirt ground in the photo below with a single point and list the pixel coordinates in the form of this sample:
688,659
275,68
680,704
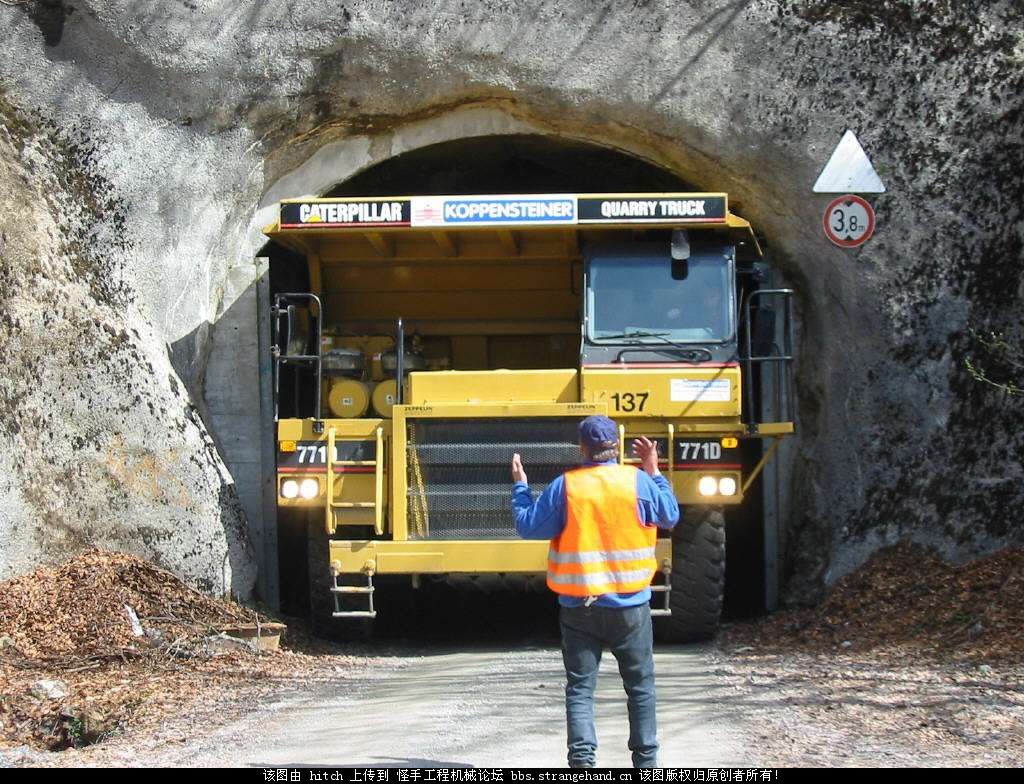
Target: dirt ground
908,662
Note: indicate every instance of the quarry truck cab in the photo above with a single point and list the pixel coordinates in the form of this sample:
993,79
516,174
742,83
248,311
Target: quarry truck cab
440,334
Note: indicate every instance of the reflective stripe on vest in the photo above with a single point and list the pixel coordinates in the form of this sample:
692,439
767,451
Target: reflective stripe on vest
605,547
611,555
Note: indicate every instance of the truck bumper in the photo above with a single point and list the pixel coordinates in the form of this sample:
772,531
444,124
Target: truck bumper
451,556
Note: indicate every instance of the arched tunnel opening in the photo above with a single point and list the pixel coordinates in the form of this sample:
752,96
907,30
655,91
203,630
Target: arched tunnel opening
510,164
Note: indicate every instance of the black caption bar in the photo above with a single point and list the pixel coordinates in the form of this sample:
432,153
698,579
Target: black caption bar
476,775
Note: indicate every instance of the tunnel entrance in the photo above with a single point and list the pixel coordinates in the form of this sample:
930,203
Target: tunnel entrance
521,164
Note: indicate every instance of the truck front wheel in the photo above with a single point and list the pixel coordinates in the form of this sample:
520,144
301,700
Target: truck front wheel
697,577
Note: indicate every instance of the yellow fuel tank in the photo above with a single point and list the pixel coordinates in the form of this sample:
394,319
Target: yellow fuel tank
384,397
348,398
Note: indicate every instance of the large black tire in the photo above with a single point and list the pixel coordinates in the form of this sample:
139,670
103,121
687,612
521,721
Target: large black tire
698,576
321,600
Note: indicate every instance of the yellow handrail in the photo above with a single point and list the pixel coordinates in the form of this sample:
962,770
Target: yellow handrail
378,497
330,481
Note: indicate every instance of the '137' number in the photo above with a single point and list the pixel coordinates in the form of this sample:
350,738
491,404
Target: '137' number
630,401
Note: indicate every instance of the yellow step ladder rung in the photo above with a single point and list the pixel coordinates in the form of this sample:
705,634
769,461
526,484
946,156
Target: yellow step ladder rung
378,489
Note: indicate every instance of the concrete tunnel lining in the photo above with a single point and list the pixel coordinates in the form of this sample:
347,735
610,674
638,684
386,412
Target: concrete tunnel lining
337,163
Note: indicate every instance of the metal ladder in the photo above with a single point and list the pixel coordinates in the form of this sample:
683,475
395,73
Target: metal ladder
337,590
665,588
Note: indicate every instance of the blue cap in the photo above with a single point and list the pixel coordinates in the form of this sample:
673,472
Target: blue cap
599,431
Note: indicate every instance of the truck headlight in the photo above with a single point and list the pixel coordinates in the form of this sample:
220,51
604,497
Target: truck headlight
289,488
707,485
310,488
727,485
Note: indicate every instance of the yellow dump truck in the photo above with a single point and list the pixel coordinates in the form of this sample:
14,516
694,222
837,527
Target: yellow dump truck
439,334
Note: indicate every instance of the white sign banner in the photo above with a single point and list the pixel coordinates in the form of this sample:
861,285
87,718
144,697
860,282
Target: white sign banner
705,390
493,210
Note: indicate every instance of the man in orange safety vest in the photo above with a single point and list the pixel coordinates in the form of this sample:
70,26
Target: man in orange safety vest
602,520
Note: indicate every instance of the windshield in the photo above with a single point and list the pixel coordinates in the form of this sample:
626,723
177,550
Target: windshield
649,299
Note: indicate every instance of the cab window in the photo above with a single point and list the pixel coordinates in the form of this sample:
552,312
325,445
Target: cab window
646,297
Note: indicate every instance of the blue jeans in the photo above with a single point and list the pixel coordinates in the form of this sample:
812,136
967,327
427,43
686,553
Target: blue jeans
627,632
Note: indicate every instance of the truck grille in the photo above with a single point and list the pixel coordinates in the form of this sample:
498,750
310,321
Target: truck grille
459,475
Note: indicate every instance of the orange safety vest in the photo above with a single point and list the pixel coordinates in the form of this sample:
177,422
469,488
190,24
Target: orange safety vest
605,547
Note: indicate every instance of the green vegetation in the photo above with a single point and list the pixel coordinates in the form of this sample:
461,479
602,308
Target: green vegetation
1001,364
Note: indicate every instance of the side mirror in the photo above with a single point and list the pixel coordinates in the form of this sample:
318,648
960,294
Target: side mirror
680,245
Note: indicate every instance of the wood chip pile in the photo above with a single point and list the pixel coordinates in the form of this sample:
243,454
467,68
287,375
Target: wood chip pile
907,601
81,609
74,669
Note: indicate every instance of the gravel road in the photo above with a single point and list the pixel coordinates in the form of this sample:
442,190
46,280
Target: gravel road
417,705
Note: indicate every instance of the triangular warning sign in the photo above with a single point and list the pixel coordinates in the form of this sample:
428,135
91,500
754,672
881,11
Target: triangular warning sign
849,170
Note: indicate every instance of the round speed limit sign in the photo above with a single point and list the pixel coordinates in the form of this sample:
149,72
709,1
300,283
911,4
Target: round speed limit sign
849,221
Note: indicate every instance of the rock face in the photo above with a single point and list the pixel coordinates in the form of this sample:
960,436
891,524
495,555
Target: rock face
147,142
102,445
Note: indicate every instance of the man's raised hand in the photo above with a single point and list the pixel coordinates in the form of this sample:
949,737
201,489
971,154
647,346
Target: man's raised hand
518,472
647,451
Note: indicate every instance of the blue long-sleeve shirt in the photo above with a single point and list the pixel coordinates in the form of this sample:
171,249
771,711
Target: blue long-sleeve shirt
545,518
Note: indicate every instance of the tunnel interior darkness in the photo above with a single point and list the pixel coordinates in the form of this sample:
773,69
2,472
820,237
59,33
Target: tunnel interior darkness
509,164
496,165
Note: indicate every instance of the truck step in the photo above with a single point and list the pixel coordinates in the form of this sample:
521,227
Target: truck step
338,591
665,589
355,614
